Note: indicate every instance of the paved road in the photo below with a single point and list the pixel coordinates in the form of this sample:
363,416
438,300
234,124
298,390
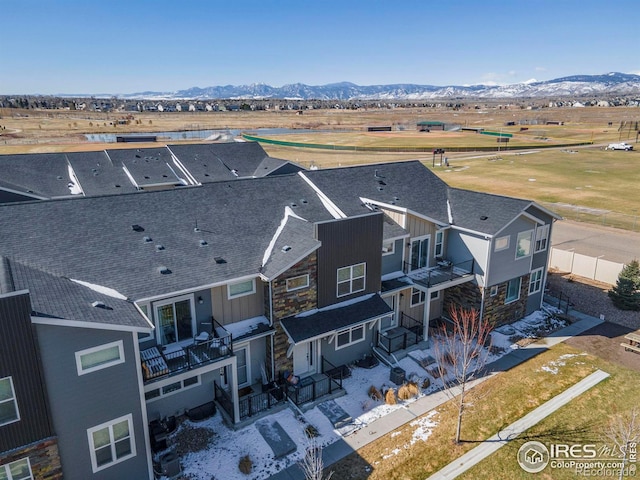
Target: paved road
611,244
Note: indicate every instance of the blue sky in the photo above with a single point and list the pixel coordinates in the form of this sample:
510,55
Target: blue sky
126,46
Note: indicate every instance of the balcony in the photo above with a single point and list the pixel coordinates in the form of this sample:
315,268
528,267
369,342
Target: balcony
409,332
161,361
444,272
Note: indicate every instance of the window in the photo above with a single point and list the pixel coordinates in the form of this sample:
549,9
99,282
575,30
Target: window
174,320
501,243
493,291
388,248
240,289
523,245
350,336
417,297
351,279
8,404
513,290
97,358
435,295
112,442
296,283
535,281
542,236
19,470
171,388
438,244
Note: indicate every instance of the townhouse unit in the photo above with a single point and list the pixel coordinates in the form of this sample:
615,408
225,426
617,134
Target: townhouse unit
248,292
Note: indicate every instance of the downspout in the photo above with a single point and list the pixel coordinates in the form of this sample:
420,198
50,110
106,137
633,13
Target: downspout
486,277
273,360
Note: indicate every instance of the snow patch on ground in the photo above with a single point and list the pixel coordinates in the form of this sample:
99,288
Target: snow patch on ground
553,367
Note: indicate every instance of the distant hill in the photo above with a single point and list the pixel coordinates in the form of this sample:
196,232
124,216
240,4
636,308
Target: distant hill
613,83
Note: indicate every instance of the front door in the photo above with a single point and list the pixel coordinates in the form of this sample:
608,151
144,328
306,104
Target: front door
243,367
419,253
304,359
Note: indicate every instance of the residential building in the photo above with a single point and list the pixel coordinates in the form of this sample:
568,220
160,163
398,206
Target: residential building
153,303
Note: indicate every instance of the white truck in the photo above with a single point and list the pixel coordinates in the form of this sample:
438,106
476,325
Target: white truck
619,146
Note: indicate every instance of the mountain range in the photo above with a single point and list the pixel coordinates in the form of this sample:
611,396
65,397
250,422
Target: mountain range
613,83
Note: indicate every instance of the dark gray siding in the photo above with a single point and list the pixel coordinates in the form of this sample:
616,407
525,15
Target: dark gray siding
348,242
20,360
349,354
393,261
82,402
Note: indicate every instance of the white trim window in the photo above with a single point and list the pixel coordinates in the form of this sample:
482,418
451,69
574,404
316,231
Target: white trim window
112,442
513,290
175,319
523,244
535,281
9,412
351,279
493,291
417,297
297,283
542,238
350,336
435,295
389,248
439,243
97,358
240,289
18,470
501,243
171,388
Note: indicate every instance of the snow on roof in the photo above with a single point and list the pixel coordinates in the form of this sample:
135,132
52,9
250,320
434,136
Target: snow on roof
238,329
109,292
287,213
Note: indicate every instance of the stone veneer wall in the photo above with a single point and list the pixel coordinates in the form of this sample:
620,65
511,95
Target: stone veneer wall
466,295
43,457
495,310
286,304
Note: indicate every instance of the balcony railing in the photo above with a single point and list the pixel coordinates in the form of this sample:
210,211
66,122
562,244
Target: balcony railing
224,399
256,403
409,332
159,362
444,271
309,389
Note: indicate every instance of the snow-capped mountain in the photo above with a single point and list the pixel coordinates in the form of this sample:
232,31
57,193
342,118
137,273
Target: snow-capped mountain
577,85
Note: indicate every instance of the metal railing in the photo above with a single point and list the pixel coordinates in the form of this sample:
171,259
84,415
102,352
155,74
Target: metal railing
309,389
158,363
400,340
256,403
440,273
413,325
224,399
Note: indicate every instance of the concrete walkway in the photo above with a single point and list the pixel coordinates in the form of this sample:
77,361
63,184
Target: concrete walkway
491,445
386,424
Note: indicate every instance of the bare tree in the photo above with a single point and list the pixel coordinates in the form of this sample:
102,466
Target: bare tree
311,464
624,432
461,351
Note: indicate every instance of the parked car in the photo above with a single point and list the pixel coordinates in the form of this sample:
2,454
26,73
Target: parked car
619,146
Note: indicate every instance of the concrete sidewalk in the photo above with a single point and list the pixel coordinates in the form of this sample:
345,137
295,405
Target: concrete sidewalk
386,424
494,443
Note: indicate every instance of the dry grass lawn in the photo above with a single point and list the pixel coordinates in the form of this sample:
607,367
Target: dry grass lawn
497,403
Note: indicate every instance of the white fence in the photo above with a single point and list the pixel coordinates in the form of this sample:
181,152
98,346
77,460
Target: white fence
594,268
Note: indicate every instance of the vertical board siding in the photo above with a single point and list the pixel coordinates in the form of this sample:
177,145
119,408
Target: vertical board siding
347,242
227,311
19,359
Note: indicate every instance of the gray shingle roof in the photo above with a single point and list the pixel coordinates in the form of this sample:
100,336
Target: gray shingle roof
405,184
43,174
483,212
98,175
304,327
148,166
92,239
60,298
